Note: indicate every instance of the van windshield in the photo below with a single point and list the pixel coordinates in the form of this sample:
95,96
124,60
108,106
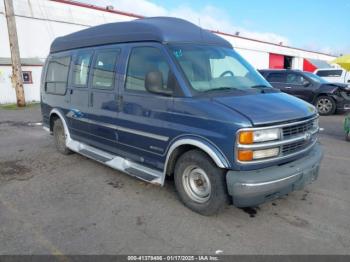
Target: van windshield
213,68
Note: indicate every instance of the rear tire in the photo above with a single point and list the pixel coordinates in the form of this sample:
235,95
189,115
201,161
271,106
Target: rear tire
200,184
325,105
60,137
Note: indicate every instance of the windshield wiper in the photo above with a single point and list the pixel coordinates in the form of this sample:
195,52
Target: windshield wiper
222,88
264,88
261,86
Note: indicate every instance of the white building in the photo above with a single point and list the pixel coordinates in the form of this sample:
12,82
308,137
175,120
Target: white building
40,21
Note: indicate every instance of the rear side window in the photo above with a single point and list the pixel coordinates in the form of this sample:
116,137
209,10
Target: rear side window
103,73
277,78
142,61
57,75
329,73
81,69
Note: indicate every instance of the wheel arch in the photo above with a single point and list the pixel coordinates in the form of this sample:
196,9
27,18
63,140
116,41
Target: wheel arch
55,114
183,145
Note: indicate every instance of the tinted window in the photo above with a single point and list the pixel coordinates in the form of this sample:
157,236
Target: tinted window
81,69
295,79
103,73
276,77
329,73
142,61
57,75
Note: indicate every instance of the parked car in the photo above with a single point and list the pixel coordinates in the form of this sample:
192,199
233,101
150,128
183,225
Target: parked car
159,97
327,97
347,127
334,75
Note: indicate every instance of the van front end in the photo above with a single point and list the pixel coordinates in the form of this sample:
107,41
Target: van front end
260,146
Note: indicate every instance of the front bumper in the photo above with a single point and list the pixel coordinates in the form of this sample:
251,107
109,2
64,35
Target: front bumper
252,188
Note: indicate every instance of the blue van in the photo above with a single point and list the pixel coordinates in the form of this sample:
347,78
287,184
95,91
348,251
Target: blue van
160,97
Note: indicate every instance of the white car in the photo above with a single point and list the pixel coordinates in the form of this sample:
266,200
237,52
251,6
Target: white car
334,75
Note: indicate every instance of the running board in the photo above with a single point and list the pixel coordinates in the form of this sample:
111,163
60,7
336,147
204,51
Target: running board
116,162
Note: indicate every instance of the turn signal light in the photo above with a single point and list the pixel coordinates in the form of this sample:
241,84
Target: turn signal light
245,155
246,137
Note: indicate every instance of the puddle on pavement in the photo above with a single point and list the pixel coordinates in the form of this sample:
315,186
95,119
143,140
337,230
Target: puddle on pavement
13,170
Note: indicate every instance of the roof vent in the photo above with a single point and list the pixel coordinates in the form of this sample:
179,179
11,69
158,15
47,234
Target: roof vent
237,33
110,7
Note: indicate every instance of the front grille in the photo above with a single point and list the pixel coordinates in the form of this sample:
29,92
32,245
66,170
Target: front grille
295,138
297,146
289,131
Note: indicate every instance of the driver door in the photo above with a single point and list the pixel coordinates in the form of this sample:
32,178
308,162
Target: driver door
299,86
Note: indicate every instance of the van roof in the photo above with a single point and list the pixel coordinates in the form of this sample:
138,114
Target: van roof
158,29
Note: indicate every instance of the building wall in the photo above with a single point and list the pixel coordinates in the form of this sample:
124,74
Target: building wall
39,22
31,91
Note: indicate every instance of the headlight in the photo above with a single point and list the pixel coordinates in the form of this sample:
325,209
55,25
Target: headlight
263,135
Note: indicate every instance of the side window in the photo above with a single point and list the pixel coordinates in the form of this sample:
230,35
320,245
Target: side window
57,75
144,60
103,73
295,79
330,73
276,78
81,69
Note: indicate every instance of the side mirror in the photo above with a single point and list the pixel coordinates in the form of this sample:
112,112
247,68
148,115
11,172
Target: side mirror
154,83
306,83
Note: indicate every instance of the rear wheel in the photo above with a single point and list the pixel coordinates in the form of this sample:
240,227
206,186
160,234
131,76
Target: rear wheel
60,137
200,184
325,105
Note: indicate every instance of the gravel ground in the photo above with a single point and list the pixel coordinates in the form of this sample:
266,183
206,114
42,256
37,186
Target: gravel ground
55,204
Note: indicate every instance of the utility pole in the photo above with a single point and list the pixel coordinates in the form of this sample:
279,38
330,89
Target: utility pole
17,80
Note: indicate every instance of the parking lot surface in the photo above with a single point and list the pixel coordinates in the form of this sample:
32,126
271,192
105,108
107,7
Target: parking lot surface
56,204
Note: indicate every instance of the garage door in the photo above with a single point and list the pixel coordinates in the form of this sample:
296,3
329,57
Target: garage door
276,61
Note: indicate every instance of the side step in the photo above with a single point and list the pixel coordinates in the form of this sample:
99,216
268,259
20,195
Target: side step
116,162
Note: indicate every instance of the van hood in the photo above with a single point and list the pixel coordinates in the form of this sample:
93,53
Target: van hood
262,109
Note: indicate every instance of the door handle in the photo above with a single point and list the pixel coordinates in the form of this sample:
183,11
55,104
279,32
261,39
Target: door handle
71,91
288,87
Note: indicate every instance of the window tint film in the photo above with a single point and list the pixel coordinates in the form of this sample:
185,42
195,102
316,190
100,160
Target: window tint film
57,75
142,61
103,74
81,69
276,78
330,73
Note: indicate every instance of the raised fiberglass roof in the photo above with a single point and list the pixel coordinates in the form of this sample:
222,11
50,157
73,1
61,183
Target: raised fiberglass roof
159,29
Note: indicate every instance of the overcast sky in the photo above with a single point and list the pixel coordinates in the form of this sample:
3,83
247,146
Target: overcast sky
320,25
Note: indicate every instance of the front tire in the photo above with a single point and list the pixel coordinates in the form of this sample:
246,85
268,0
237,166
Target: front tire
200,184
325,105
60,137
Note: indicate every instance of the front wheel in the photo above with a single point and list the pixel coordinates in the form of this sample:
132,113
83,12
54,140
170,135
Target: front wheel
200,184
325,105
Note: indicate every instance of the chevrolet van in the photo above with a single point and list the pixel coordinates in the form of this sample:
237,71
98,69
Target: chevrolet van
160,97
